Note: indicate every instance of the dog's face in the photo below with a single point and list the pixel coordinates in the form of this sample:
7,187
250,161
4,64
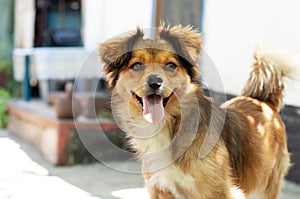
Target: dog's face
150,74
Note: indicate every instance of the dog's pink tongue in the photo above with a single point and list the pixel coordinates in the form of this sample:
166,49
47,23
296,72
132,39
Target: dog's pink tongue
153,109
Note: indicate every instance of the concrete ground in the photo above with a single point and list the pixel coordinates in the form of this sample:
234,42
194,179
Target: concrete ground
25,174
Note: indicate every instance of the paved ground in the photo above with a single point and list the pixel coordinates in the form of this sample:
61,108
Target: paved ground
25,174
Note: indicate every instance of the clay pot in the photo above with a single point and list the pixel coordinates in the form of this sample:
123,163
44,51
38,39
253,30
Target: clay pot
65,106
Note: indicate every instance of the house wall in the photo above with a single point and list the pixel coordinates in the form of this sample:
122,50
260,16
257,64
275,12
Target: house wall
231,31
184,12
108,18
24,14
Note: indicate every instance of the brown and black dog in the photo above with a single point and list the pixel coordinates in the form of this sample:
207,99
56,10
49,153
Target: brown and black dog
158,100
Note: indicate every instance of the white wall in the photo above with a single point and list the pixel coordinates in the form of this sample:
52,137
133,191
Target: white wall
24,13
108,18
233,29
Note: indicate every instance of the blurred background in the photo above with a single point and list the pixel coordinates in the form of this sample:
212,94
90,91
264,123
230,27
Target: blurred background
54,100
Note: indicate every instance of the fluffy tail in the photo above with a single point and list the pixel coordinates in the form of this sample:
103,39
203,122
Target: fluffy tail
266,78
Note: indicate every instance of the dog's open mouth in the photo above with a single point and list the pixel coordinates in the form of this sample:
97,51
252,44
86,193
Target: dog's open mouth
152,106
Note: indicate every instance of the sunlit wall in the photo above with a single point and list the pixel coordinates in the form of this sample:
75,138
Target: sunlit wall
107,18
232,29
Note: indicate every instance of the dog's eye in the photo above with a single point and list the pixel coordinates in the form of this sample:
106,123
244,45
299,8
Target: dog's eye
137,66
170,67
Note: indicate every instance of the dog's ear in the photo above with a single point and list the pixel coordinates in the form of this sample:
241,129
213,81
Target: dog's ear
115,53
185,40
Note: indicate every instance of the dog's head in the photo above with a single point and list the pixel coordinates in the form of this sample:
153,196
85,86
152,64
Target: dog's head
150,73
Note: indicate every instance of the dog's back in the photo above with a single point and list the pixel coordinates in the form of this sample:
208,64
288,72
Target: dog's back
262,159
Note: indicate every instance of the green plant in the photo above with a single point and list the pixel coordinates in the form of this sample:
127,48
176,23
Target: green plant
4,99
8,82
12,86
4,65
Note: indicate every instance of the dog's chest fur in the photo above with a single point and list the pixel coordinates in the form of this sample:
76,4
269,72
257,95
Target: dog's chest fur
156,155
172,179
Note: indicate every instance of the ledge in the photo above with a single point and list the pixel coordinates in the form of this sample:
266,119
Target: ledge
36,123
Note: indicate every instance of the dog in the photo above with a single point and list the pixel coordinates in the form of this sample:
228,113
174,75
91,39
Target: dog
189,147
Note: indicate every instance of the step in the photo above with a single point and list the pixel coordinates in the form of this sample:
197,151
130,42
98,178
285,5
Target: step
57,139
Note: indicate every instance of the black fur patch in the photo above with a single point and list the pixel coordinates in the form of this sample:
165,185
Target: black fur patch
182,54
116,53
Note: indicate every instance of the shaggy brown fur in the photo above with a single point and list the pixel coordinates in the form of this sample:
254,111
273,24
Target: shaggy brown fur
197,150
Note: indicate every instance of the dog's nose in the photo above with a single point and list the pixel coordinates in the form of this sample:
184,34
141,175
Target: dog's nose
154,81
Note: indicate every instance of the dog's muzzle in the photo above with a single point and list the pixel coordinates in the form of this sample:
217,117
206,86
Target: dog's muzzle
152,102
